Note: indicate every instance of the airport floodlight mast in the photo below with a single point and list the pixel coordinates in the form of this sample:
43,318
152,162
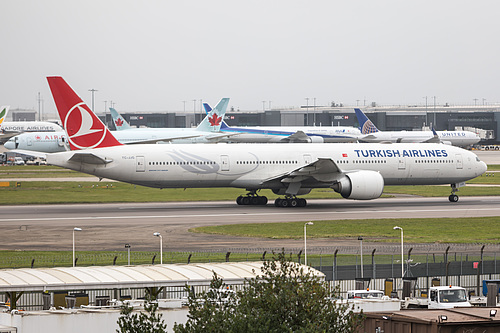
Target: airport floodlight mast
361,244
93,91
74,229
305,241
402,260
157,234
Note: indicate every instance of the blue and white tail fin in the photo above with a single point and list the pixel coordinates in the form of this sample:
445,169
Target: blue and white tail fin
213,121
208,108
365,125
119,121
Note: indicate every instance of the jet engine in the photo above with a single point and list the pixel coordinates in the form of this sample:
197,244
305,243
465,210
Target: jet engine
315,139
282,191
360,185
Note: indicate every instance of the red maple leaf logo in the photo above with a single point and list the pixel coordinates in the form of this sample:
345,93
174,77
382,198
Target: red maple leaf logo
215,120
119,122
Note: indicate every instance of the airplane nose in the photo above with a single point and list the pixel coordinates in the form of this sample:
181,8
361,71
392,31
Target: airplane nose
483,167
9,144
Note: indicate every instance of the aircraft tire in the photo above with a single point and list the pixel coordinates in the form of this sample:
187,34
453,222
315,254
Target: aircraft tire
302,202
453,198
238,200
294,203
245,201
255,201
262,201
277,202
285,203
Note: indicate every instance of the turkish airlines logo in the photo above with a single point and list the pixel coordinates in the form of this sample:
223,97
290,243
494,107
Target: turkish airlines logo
83,130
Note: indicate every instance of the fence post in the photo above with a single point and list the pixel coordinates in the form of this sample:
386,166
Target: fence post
373,265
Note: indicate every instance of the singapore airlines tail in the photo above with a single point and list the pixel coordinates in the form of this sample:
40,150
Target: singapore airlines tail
3,114
118,120
83,128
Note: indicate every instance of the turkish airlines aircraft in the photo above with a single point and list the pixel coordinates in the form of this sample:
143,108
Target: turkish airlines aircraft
372,134
356,171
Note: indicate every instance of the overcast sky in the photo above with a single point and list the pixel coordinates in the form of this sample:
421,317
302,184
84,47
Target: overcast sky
153,55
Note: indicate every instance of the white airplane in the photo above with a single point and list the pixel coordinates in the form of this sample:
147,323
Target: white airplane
290,134
9,129
372,134
206,132
356,171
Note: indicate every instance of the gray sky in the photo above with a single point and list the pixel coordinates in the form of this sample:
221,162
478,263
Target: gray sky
152,55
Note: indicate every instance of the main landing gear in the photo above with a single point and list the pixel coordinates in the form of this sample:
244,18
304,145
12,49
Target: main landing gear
453,197
290,201
251,199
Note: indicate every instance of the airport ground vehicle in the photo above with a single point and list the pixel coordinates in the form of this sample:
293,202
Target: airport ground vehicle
442,297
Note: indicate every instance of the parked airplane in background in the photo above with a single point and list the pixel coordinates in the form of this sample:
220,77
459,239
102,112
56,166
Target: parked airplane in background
290,134
206,132
9,129
356,171
119,121
372,134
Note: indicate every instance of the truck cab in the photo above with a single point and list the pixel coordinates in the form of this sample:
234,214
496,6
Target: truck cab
447,297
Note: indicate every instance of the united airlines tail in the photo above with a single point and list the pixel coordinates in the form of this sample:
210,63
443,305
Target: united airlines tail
83,128
118,120
213,121
365,125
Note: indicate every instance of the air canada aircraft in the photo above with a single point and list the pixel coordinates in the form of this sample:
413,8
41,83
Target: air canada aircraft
289,134
356,171
206,132
370,133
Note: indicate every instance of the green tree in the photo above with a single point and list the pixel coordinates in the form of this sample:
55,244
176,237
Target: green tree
148,320
286,297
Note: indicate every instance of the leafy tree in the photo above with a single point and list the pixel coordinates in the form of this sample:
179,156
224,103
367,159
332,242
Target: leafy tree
140,322
287,297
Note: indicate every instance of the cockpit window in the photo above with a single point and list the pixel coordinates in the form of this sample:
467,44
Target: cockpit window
477,159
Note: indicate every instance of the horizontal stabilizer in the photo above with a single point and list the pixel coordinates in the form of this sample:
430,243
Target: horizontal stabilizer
89,158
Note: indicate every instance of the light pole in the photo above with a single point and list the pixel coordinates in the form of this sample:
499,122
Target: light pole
127,246
157,234
74,229
402,258
361,244
305,241
93,91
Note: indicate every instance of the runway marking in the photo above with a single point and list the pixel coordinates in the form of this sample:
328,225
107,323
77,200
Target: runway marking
244,214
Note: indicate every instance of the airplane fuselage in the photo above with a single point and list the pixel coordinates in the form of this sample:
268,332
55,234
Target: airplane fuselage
455,138
255,166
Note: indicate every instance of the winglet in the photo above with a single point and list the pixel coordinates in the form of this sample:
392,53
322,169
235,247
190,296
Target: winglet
365,125
83,128
118,120
212,122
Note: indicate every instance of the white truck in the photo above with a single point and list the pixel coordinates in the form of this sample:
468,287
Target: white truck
445,297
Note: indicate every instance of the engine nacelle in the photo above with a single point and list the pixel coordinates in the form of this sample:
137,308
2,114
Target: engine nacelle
316,139
360,185
282,191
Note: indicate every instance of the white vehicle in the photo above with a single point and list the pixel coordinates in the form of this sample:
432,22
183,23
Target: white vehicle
356,171
365,294
18,161
441,297
370,133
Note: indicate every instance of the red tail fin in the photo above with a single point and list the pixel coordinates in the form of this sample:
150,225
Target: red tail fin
83,128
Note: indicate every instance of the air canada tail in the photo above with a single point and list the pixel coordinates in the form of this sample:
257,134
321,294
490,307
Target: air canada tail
83,128
213,121
365,125
118,120
208,108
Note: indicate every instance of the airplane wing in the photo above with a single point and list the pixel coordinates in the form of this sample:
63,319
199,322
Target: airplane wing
220,136
297,137
29,153
89,158
156,140
321,170
435,138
